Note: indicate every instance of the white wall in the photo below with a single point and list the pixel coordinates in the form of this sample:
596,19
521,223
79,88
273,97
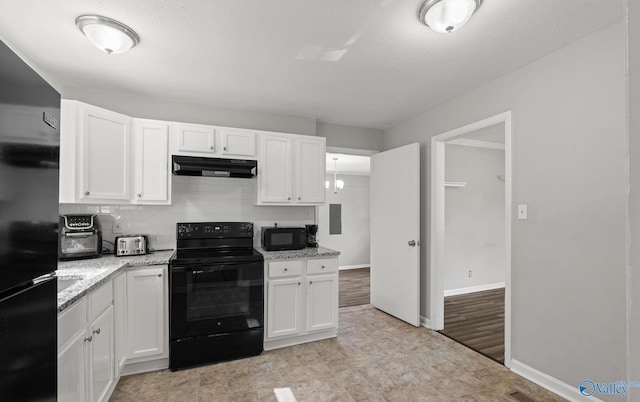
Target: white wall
353,243
474,217
151,108
341,136
196,199
569,152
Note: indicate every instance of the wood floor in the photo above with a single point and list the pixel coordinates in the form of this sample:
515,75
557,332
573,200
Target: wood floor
354,287
477,320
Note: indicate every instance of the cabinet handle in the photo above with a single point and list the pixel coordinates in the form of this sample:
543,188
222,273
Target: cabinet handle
211,147
310,282
323,267
299,284
225,148
286,269
139,195
88,339
86,193
97,331
159,275
299,198
289,198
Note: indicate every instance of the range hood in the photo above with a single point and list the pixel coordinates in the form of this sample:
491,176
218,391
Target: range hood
213,167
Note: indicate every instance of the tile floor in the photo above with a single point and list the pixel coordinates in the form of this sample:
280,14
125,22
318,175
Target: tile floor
375,358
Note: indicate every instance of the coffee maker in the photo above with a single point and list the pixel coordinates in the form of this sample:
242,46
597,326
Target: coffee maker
312,235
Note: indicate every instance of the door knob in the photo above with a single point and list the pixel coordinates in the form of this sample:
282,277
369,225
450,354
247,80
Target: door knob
412,243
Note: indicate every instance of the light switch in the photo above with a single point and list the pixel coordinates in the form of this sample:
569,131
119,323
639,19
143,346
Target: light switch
522,211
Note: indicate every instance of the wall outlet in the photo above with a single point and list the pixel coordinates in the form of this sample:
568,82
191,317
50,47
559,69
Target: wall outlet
522,211
117,226
470,273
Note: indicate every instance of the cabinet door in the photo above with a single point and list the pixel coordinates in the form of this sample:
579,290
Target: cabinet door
72,369
310,171
274,170
102,361
283,307
322,302
238,142
120,321
146,312
151,162
106,154
196,138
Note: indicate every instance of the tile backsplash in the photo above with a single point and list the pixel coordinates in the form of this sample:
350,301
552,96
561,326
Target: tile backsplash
194,199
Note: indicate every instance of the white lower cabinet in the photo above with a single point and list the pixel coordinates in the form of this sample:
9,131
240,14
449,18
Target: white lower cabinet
86,360
112,330
301,301
147,313
101,356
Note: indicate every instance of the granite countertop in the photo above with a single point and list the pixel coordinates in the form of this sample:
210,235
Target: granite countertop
94,272
308,252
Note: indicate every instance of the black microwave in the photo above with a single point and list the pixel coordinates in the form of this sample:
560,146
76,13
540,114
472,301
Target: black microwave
276,238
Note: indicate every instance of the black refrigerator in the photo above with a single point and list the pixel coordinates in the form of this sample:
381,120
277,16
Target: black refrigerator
29,168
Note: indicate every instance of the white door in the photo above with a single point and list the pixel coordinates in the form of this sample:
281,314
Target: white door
102,358
238,142
71,369
146,312
196,138
310,171
151,166
322,302
283,307
275,173
106,154
395,232
120,321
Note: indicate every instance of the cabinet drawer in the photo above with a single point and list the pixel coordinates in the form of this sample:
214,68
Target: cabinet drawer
101,299
72,320
285,268
322,266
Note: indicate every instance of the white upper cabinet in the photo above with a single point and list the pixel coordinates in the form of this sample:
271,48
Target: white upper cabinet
105,167
238,142
152,178
196,138
310,171
291,170
274,170
107,157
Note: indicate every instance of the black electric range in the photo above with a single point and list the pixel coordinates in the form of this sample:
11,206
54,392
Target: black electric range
216,302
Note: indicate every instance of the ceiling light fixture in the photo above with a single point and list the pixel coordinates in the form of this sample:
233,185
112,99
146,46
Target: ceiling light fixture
107,34
446,16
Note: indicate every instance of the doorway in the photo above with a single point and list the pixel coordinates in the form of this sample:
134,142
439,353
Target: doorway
473,269
344,221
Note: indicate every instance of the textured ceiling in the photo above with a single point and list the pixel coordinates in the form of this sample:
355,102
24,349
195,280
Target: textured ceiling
366,63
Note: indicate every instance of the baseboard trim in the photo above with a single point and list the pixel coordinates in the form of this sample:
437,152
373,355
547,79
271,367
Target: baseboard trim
346,267
144,367
425,322
551,383
473,289
299,339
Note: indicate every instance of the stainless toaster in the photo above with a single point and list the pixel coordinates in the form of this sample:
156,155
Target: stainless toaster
131,245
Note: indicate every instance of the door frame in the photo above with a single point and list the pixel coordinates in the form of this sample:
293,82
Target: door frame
437,231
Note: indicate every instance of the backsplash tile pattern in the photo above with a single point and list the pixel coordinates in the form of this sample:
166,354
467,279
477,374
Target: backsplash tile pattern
194,199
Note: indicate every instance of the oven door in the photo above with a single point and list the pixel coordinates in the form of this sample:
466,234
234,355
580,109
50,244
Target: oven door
215,299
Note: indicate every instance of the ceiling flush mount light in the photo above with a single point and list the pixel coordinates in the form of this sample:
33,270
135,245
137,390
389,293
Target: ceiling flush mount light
107,34
446,16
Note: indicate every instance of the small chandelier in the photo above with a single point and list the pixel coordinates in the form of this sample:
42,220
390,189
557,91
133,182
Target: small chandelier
446,16
337,184
107,34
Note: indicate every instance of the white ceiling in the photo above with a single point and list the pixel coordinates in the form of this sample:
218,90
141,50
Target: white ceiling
349,164
366,63
493,134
